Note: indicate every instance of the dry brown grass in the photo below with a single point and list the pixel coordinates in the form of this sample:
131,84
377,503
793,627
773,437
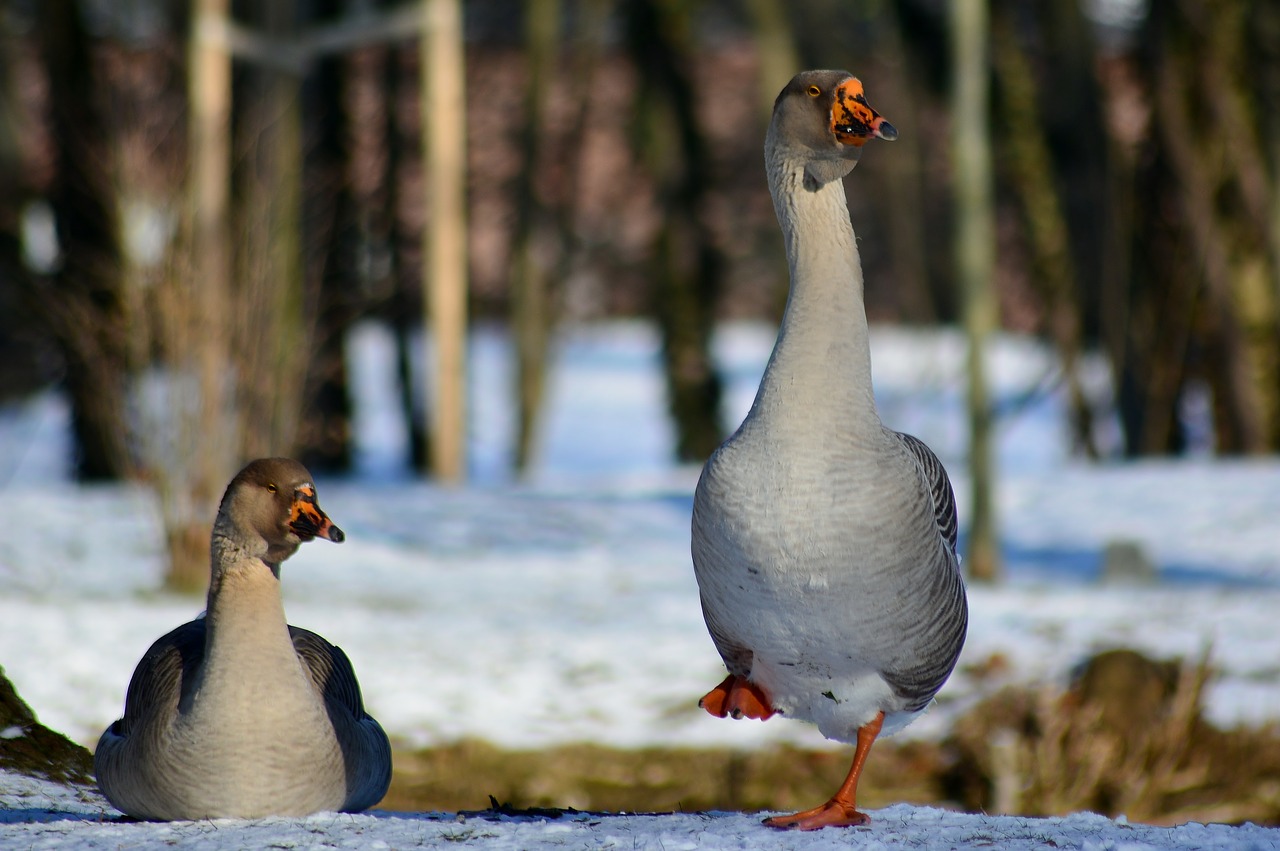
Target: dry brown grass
590,777
1127,738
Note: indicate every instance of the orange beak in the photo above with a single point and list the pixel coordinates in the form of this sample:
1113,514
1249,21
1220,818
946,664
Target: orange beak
853,121
307,520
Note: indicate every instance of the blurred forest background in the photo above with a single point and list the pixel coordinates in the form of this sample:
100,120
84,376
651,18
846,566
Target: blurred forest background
197,200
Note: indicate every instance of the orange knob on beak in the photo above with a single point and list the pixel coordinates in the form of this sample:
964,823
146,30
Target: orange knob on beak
853,121
307,520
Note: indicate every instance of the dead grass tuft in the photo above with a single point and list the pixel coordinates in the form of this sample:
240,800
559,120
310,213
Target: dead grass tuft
466,775
1127,737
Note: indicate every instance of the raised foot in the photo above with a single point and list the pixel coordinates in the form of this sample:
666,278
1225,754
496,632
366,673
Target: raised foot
739,698
831,814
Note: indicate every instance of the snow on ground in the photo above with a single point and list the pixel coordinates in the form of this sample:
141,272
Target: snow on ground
37,815
519,612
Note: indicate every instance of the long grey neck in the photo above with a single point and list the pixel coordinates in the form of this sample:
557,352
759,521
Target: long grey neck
822,354
245,608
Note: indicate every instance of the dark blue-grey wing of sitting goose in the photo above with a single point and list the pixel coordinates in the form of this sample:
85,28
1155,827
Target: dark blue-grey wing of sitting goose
156,685
168,667
362,738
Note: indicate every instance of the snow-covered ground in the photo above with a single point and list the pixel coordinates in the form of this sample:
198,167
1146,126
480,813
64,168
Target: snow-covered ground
37,815
520,612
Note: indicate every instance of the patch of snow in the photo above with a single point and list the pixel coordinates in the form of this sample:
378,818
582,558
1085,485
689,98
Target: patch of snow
558,592
41,815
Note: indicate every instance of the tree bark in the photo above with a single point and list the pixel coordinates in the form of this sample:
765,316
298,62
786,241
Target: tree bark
445,241
1030,167
274,308
776,47
1202,308
688,264
86,309
532,310
975,266
329,234
191,464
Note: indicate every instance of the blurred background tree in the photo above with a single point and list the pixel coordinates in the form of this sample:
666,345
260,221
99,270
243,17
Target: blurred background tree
197,202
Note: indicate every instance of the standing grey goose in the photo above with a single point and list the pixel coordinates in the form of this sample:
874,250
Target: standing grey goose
824,543
238,714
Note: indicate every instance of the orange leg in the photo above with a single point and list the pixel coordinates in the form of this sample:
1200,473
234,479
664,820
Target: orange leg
737,697
842,809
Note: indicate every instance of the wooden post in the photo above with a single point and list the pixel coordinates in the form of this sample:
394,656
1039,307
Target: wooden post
445,241
975,264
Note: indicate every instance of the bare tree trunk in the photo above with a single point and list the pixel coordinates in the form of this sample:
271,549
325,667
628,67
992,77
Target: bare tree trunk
545,245
688,264
902,177
274,314
1031,169
445,242
532,267
330,235
1152,370
975,265
191,451
86,312
1238,408
407,297
1265,32
1202,305
23,340
1230,70
776,47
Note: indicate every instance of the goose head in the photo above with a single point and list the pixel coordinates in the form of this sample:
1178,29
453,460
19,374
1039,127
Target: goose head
270,509
822,120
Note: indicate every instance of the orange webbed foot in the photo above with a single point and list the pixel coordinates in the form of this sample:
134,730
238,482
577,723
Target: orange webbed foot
737,697
831,814
842,809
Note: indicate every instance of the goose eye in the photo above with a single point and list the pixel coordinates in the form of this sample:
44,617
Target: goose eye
814,91
271,488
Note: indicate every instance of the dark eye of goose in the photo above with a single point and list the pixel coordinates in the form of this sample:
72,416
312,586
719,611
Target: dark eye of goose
814,91
271,488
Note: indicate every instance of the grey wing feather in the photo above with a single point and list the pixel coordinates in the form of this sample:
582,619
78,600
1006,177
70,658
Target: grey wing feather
158,680
920,681
944,498
330,669
364,742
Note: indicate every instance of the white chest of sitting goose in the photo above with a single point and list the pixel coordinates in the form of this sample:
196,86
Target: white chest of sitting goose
238,714
824,543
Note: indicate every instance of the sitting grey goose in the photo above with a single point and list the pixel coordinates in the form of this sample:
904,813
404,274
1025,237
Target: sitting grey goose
824,543
238,714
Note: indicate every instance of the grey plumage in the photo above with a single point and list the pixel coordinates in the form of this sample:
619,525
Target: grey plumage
237,713
824,543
